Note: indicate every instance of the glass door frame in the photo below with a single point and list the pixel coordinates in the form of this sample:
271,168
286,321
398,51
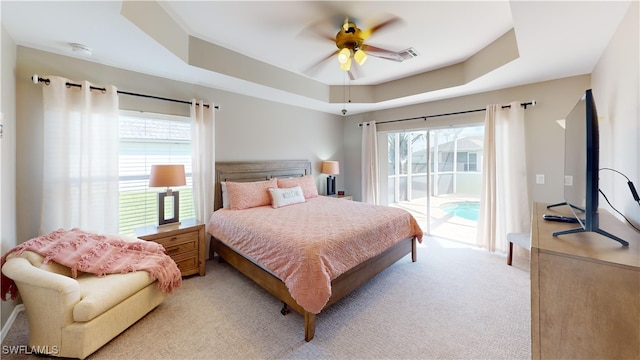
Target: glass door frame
383,160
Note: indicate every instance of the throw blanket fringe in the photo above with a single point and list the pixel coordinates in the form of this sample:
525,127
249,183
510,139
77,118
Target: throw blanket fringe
83,251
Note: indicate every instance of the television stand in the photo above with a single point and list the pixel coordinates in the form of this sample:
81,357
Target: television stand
592,225
557,204
564,203
599,231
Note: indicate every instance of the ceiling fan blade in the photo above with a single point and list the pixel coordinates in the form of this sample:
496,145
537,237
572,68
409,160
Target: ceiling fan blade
331,11
385,24
315,67
317,30
381,53
370,49
392,57
355,72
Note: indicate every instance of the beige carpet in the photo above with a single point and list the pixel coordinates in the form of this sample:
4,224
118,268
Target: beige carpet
454,303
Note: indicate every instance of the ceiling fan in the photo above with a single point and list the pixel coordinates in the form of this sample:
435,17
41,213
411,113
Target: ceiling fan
352,50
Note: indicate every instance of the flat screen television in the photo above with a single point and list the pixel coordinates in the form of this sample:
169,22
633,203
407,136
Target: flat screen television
581,167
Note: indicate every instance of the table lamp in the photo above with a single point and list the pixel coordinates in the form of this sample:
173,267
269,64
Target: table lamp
331,168
167,176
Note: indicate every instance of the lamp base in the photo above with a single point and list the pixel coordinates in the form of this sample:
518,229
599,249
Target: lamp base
331,185
162,220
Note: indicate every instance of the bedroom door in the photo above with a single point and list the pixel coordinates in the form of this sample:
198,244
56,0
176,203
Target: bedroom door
436,174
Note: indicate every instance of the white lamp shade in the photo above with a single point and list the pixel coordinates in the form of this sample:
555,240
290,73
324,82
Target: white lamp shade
360,57
331,167
167,175
346,66
344,55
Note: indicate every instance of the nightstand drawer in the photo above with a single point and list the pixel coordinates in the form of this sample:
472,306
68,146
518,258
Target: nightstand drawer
178,249
180,239
184,243
187,263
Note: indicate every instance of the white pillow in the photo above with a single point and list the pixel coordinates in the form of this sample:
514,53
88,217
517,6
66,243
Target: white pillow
286,196
225,195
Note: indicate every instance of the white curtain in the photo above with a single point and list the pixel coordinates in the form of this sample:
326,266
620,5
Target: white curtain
203,159
504,199
369,163
80,157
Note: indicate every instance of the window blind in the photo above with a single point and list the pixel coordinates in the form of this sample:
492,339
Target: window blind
149,139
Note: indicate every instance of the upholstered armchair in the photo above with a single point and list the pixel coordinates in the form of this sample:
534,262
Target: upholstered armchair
73,317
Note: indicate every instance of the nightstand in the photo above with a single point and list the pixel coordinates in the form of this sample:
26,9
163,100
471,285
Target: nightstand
345,197
183,242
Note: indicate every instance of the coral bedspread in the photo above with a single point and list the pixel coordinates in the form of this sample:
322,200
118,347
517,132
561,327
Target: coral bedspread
309,244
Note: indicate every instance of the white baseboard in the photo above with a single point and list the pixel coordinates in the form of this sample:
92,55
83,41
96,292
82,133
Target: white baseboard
11,319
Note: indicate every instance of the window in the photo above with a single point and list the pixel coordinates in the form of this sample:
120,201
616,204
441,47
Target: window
467,161
147,139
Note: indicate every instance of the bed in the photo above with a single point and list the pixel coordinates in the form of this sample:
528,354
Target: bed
309,279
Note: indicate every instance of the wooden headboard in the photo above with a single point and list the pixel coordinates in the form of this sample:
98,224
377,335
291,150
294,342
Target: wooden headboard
245,171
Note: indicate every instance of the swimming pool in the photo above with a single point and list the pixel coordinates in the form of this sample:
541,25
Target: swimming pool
469,210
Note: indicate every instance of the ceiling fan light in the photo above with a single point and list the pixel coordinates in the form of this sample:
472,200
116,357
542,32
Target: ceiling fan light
360,57
344,55
347,65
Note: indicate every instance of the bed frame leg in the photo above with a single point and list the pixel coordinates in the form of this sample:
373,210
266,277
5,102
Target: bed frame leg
309,326
285,309
414,250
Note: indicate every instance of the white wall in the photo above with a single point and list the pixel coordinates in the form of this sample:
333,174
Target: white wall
247,128
616,89
8,238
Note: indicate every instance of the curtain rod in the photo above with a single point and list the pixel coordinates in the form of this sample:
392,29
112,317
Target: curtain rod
36,79
425,117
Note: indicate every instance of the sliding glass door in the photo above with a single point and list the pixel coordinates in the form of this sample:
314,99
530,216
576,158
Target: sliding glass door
436,174
407,166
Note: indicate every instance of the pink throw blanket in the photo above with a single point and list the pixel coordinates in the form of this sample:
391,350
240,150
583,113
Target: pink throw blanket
100,255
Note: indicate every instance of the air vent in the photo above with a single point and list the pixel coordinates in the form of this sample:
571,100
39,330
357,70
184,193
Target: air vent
407,54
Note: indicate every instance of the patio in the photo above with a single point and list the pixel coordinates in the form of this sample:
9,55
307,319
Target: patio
443,224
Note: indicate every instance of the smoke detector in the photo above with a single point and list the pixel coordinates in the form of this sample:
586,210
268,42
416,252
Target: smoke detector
80,49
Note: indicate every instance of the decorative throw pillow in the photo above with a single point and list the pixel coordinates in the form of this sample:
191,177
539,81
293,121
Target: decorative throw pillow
244,195
286,196
306,182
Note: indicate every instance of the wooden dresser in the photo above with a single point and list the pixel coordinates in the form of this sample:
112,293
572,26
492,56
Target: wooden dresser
585,290
185,243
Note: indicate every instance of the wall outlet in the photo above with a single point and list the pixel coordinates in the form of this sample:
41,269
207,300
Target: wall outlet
539,178
568,180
